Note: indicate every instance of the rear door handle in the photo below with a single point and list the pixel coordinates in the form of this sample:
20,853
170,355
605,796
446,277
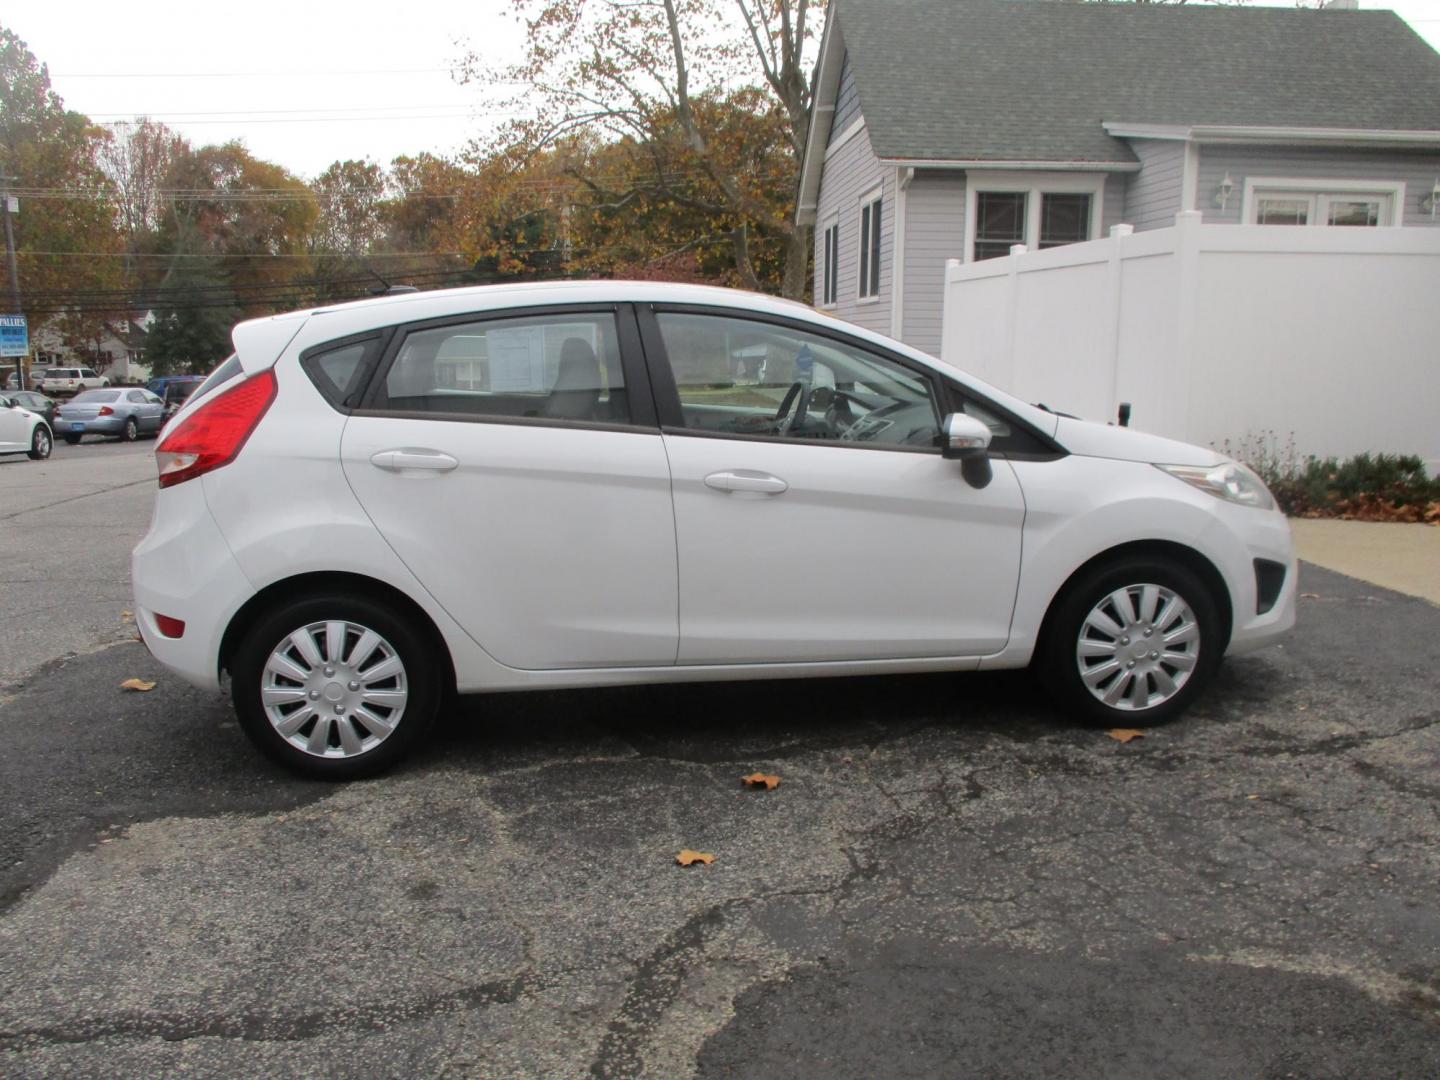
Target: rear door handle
410,457
746,480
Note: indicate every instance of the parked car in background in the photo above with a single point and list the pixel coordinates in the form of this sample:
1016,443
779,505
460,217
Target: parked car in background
562,485
23,431
174,390
36,403
128,412
71,380
32,379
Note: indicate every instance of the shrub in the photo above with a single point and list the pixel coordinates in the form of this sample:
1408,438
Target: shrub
1367,487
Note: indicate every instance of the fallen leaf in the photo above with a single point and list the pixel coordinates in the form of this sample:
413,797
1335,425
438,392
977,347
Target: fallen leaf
1252,798
759,779
690,858
1124,734
137,684
1309,596
127,615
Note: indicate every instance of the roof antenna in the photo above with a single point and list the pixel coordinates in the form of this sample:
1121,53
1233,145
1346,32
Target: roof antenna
386,289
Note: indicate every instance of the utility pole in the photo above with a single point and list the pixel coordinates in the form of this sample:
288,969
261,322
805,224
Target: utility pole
5,182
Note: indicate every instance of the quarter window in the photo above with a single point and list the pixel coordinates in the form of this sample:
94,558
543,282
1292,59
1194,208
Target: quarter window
741,377
556,367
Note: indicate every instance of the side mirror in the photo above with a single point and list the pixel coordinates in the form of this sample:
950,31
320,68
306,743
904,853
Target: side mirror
963,437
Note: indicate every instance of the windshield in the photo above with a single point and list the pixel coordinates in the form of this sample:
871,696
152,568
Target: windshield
97,395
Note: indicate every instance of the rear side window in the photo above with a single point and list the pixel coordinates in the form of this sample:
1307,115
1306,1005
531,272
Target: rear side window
338,370
564,366
137,396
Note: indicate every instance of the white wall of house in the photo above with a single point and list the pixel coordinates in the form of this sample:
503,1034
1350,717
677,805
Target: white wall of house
1218,333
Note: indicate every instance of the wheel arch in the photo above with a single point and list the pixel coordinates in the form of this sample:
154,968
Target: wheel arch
300,585
1185,556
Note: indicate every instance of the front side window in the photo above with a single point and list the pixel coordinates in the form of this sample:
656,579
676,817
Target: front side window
870,247
793,384
555,367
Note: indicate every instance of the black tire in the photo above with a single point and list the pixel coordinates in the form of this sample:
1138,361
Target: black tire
132,430
72,439
41,443
424,674
1058,664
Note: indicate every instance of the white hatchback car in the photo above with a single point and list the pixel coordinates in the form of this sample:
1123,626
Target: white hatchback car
584,484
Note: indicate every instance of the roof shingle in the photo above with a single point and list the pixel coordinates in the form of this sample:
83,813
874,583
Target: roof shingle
1022,80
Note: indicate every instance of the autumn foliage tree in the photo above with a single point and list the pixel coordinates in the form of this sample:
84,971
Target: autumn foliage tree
708,102
65,232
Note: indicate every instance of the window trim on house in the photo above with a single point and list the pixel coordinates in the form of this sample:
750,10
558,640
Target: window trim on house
1034,185
1319,188
830,263
868,246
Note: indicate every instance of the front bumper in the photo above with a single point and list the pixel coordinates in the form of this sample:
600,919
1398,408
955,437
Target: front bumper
1266,537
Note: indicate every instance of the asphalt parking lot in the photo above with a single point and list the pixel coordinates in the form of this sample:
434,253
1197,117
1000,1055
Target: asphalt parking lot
950,879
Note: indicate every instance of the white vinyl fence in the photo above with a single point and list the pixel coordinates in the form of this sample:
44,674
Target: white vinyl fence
1216,332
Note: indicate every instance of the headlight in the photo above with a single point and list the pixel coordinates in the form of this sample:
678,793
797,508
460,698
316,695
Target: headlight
1229,480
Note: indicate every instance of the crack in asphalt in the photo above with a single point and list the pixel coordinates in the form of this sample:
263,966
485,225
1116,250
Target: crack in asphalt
368,1016
74,498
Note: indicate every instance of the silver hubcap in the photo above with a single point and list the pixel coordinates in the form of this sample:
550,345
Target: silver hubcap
42,443
1138,647
334,689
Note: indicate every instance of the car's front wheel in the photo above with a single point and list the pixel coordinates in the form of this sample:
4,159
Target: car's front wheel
338,687
41,443
1132,642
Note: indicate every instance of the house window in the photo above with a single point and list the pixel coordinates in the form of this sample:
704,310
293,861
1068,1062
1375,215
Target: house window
830,273
1037,211
1362,203
1000,222
870,246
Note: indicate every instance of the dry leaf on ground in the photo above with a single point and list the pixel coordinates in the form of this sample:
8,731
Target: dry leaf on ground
690,858
759,779
1124,735
1309,596
137,684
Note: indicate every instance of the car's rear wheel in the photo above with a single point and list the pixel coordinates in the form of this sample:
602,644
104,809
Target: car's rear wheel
1131,643
334,686
41,443
72,439
132,430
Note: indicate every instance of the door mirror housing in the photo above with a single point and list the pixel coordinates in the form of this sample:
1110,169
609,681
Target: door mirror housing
963,437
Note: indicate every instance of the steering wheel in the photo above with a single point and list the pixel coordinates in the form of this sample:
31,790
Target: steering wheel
797,390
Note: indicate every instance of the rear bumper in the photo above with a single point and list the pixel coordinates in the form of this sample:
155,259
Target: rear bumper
102,425
183,568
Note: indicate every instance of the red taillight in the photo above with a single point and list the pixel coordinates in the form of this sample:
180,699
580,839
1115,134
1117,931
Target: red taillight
212,435
171,628
105,410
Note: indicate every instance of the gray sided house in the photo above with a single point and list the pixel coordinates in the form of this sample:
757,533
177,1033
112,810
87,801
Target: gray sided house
952,129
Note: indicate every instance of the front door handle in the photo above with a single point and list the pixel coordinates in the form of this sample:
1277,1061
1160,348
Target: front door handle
746,480
410,457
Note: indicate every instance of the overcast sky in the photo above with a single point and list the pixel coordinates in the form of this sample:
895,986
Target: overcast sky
307,83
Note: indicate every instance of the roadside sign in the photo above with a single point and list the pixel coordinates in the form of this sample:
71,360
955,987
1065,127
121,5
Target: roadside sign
14,335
